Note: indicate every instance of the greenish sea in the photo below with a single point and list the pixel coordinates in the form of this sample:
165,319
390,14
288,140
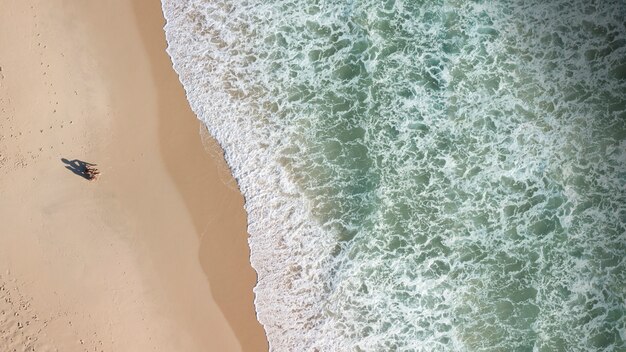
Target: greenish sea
422,175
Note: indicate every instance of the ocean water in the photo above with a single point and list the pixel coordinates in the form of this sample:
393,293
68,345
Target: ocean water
422,175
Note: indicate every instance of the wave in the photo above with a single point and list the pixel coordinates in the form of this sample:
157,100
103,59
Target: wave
421,176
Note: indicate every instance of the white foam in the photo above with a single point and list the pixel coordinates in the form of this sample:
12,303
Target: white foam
284,242
420,234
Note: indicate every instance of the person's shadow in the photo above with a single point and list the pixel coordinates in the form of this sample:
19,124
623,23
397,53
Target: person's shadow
78,167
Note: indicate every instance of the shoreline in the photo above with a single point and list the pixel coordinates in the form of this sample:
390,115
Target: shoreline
151,256
221,225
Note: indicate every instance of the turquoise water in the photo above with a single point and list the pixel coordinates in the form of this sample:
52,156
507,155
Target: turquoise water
422,175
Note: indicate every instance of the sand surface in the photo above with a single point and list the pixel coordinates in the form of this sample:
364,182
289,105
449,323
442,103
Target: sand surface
153,255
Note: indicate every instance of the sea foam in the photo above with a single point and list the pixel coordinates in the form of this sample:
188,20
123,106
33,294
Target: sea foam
421,176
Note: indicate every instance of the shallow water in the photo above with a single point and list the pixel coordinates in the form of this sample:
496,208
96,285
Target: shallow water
422,175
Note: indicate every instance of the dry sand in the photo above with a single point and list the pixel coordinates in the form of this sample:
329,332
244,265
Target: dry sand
153,255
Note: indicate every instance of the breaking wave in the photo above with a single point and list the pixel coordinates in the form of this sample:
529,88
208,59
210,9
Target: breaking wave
422,175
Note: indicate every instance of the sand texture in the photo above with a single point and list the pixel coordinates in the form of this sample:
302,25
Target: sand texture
151,256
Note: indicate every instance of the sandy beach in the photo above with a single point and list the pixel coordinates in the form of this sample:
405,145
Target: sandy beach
151,256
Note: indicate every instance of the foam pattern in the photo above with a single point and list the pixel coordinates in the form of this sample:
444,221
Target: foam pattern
422,175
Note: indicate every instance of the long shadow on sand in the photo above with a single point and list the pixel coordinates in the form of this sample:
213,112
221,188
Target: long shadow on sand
78,167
